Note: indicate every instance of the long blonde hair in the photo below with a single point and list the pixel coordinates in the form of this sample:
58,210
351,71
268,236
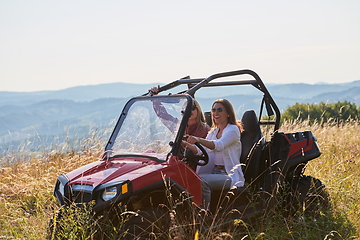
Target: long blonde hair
200,118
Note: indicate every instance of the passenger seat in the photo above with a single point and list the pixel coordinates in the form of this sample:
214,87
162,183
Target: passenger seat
252,144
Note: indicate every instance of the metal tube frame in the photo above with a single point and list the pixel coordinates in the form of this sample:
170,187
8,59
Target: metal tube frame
195,84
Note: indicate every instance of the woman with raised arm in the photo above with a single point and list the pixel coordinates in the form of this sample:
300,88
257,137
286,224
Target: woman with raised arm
196,125
224,148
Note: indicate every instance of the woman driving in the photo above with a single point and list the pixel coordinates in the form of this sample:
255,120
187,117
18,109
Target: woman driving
224,149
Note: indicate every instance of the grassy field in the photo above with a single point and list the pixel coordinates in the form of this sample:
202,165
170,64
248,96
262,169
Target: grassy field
27,181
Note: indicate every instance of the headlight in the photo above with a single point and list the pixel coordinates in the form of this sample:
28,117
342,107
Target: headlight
109,193
61,188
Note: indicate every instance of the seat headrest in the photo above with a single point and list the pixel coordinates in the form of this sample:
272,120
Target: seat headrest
250,122
251,133
208,120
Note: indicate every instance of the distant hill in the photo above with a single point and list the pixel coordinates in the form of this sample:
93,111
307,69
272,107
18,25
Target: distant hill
79,94
299,91
351,95
309,91
69,112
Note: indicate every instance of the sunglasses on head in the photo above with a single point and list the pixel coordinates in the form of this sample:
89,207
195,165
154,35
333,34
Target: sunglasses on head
216,110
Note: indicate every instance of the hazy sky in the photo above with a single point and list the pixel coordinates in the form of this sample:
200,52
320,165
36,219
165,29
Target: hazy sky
50,45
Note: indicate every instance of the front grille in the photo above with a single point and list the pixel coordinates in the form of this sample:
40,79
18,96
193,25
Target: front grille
81,193
81,197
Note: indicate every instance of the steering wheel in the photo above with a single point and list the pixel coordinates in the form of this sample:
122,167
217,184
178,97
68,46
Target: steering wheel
199,160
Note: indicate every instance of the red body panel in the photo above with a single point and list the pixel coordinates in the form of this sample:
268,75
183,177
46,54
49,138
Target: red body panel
141,172
300,147
178,172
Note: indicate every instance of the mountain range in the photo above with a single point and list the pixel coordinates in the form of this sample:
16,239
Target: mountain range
45,115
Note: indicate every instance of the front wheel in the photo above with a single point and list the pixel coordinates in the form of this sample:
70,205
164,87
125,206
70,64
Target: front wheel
54,227
149,223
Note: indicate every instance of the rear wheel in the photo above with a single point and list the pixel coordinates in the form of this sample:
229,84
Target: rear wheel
310,196
317,199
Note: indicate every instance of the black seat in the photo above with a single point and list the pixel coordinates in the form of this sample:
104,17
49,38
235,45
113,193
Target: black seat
252,144
208,119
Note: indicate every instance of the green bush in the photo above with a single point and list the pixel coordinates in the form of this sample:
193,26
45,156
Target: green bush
322,112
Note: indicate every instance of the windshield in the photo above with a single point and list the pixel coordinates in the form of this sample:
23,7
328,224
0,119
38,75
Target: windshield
148,127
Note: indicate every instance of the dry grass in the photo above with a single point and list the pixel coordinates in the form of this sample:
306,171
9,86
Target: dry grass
26,200
26,185
339,165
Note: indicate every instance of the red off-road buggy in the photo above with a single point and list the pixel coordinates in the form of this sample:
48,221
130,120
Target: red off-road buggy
144,169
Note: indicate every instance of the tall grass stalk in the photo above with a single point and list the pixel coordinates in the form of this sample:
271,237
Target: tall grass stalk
27,181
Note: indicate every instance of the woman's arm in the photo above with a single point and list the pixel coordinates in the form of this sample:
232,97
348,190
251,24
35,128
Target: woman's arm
168,120
189,146
230,135
206,143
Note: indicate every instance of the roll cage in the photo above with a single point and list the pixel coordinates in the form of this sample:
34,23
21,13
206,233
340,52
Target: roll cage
195,84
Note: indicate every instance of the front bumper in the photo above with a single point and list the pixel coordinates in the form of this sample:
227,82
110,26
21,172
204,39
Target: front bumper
68,194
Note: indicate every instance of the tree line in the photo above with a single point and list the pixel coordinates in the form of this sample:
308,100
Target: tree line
322,112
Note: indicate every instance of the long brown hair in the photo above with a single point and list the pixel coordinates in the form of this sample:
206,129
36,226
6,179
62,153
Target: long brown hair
200,118
230,110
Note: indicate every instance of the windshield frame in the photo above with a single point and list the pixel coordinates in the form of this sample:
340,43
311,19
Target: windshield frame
175,146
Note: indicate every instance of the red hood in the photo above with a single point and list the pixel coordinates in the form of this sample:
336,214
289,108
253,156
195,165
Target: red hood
104,171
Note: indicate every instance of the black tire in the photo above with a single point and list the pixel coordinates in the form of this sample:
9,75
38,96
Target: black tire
310,196
317,199
149,223
54,227
74,221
